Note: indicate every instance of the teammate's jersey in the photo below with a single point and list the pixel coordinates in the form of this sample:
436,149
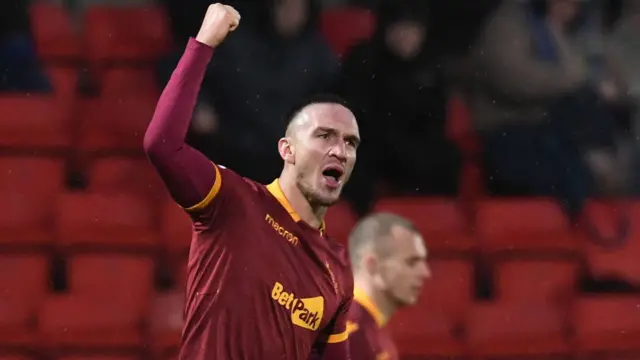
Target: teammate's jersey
262,284
368,338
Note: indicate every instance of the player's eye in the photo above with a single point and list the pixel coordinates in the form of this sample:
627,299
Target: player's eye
323,135
352,143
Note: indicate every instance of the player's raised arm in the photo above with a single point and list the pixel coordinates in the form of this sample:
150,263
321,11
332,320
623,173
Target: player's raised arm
188,174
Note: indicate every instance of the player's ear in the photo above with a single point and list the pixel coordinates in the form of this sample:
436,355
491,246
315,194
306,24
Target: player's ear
286,150
370,264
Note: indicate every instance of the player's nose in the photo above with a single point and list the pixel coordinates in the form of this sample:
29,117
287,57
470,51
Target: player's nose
339,151
424,271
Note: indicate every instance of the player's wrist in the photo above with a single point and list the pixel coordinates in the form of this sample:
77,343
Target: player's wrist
200,48
194,43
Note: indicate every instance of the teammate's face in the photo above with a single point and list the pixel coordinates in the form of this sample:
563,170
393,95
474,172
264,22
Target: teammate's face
324,151
290,16
405,38
564,10
404,269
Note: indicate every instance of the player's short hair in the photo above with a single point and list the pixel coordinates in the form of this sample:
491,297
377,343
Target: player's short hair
372,232
322,98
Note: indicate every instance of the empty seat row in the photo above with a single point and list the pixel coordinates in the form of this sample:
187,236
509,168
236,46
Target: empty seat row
109,307
18,356
70,321
108,33
132,276
126,205
497,329
116,120
143,34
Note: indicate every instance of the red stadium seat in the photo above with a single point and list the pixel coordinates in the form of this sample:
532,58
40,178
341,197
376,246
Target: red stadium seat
23,276
15,357
165,322
29,122
105,221
54,33
343,28
429,328
74,322
508,331
439,220
97,357
459,128
621,262
524,225
125,174
126,33
176,228
126,81
536,281
115,123
608,324
23,284
125,277
65,83
28,189
17,320
340,220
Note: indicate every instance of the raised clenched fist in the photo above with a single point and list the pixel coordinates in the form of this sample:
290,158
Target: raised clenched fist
219,21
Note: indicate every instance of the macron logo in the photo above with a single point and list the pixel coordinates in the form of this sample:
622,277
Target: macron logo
291,239
306,313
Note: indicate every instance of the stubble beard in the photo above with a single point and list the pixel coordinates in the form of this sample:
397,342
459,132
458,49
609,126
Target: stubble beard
314,197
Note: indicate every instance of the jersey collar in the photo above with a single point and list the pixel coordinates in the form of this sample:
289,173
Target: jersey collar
275,190
366,302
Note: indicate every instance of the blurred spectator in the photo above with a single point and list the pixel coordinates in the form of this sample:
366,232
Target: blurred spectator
544,126
20,70
186,15
394,83
275,59
624,56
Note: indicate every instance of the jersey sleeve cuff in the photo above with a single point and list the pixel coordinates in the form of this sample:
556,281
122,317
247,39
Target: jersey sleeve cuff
215,189
338,338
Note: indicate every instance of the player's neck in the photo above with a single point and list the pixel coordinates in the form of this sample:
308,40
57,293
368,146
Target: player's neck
386,307
308,213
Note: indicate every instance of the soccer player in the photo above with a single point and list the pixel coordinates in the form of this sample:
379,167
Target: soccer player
264,280
389,261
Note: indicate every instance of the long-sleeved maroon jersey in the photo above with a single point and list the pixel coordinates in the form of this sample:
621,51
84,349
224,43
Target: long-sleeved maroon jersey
368,338
262,284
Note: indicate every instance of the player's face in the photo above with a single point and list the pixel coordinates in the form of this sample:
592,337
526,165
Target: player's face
405,269
325,152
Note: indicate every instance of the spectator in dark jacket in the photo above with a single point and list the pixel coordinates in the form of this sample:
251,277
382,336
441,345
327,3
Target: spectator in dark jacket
395,84
20,70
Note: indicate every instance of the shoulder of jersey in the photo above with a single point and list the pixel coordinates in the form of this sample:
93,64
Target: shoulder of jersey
255,186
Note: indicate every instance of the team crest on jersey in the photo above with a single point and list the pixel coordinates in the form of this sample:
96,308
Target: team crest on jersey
305,313
383,356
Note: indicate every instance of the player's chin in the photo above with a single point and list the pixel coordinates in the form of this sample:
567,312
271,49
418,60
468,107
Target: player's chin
327,195
412,297
328,198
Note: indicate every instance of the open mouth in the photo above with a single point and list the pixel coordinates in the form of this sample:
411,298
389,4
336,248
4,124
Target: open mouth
333,174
